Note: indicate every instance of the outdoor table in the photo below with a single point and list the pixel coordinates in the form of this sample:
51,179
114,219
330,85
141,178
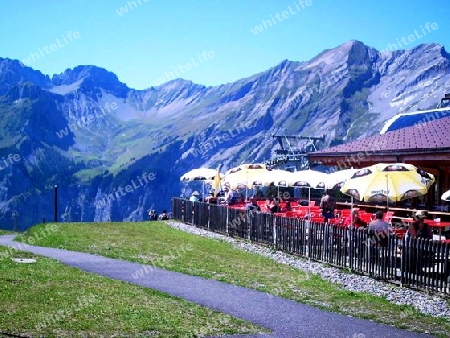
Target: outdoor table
403,220
439,213
435,224
237,207
439,224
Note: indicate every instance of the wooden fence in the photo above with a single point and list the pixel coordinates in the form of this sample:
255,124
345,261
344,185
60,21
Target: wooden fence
422,264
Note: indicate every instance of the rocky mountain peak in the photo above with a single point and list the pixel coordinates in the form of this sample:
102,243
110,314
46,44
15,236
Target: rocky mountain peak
92,76
179,83
13,72
24,90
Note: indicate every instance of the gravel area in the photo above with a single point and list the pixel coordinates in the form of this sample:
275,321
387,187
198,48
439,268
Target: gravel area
427,304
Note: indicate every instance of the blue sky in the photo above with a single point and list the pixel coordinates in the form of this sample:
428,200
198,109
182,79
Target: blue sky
210,42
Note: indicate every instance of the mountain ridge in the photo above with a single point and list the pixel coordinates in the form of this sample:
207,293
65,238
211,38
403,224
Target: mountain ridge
89,133
55,79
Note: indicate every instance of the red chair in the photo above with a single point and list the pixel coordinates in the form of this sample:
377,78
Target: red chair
400,233
388,216
344,212
336,221
365,217
317,219
301,214
291,214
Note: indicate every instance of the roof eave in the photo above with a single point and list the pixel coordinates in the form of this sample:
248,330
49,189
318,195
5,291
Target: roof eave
382,152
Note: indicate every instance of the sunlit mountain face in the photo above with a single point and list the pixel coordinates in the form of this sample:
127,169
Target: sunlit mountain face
114,152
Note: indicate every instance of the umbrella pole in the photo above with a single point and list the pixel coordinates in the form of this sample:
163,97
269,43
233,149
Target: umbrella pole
387,192
309,202
351,210
246,186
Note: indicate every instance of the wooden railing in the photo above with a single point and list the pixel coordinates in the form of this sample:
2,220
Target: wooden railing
422,264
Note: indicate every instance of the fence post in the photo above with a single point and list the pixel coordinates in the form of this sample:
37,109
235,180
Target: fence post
227,221
274,231
15,220
405,249
183,207
209,214
349,247
249,224
308,240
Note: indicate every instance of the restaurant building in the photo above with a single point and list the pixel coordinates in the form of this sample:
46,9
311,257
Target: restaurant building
426,144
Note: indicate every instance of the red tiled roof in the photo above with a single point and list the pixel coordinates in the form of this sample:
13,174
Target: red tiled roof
430,136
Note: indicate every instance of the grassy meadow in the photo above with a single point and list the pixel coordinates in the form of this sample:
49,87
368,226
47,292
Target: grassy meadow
158,244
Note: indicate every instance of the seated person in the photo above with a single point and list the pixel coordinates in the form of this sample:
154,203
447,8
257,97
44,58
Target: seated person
268,204
288,206
420,229
259,192
164,215
378,224
380,230
152,215
275,206
229,196
253,205
210,198
194,196
357,222
420,255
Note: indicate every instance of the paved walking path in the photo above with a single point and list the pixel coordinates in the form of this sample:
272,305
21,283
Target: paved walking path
284,317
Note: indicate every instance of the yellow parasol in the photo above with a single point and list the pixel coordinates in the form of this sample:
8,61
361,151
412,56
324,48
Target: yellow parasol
388,182
245,175
216,182
336,180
